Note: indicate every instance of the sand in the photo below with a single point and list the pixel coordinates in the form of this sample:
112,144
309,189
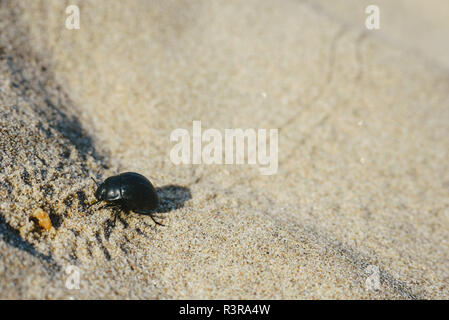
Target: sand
362,189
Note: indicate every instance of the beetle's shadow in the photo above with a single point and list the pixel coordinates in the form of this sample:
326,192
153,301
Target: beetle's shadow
172,197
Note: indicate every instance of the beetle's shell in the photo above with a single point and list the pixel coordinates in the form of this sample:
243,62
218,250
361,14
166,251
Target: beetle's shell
137,192
131,190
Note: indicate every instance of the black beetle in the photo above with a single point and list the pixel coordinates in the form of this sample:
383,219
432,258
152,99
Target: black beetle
128,191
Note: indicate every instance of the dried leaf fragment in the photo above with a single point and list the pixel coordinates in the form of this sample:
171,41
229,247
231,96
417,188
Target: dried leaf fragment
42,218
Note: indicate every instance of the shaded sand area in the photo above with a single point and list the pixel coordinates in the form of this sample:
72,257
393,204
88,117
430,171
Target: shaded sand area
363,178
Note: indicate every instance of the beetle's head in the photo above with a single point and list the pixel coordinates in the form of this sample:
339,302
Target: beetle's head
109,190
100,194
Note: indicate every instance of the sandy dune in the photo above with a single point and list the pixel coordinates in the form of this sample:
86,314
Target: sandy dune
363,178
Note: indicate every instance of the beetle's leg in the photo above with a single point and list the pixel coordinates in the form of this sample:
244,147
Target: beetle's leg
90,205
150,213
116,213
94,181
109,226
108,205
125,224
151,216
